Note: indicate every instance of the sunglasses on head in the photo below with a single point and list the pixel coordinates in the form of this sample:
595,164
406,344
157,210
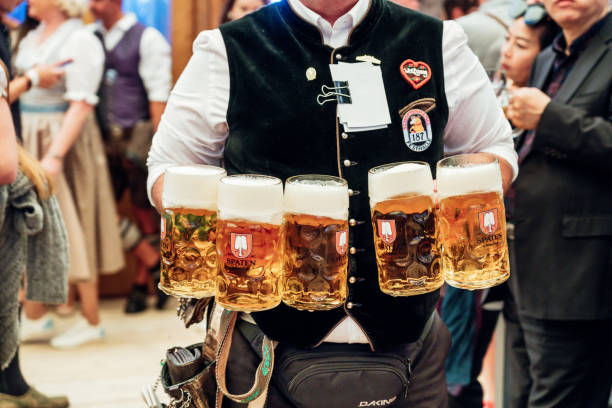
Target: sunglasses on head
532,13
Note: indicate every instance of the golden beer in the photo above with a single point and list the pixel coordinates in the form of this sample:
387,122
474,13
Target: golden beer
404,240
189,257
315,260
403,222
188,229
473,240
472,222
315,242
248,243
249,265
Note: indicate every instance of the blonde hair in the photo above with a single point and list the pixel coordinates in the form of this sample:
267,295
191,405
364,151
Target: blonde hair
36,173
72,8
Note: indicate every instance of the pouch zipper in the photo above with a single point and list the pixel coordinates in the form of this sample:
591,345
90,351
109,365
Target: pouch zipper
342,367
301,356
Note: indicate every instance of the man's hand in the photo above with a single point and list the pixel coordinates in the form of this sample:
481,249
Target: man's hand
526,107
49,74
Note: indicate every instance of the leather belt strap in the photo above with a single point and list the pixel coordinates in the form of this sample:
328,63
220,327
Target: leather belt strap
256,396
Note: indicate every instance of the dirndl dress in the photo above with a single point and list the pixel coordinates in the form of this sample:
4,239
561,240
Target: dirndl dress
83,188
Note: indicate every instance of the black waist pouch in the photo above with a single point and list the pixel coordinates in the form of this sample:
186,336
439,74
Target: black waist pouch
338,375
341,375
335,375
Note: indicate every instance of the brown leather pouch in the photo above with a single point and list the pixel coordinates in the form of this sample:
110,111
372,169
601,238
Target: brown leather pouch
189,378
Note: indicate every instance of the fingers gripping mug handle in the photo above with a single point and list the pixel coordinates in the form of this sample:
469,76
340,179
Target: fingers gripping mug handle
262,374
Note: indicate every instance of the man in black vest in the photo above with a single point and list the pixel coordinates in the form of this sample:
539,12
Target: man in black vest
136,85
251,96
563,216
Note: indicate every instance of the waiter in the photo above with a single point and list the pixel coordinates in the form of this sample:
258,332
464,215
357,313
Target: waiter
252,98
137,82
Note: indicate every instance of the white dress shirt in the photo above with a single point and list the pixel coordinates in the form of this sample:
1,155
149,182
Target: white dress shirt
82,78
155,66
3,83
194,128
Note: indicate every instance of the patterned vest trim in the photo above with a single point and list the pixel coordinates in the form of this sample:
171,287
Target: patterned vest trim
126,95
278,128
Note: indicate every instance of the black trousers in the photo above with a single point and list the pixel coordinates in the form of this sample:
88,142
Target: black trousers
427,388
558,363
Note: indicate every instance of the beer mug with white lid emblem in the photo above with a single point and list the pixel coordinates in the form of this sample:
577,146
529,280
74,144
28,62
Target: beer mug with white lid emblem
248,242
403,220
315,242
472,221
188,230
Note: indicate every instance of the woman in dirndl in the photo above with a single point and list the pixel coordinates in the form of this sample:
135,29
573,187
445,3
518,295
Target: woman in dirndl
59,128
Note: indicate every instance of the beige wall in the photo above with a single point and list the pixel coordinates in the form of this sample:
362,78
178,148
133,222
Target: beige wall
189,17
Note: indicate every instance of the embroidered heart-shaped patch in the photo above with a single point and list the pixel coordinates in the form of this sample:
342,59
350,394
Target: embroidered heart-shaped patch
417,73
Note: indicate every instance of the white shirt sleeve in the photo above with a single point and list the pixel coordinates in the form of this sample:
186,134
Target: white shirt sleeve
155,65
476,122
84,74
193,128
3,82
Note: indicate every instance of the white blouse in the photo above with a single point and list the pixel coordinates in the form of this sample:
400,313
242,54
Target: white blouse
83,76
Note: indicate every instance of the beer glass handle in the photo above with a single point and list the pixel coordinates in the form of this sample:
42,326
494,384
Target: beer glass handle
256,396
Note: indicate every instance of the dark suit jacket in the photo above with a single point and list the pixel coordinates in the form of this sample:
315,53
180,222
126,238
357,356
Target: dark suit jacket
563,216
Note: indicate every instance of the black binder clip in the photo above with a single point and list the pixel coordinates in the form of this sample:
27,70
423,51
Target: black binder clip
340,92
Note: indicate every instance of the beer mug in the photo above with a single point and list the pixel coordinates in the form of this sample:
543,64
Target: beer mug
315,242
188,228
472,221
248,242
403,220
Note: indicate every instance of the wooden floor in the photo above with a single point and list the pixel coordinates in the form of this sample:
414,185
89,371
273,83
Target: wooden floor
109,374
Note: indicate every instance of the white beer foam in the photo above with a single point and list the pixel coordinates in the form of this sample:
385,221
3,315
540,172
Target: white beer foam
459,180
404,178
251,198
318,198
191,186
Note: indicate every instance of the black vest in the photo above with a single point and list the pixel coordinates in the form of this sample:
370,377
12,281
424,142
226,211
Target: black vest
278,128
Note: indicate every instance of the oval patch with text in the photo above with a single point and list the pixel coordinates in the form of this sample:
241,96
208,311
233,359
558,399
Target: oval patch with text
417,130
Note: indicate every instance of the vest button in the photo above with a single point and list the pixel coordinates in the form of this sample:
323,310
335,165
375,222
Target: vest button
352,222
353,250
344,135
350,192
311,74
349,305
352,280
339,56
347,163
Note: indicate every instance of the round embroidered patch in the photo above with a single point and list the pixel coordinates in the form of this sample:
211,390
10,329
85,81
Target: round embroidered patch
417,130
